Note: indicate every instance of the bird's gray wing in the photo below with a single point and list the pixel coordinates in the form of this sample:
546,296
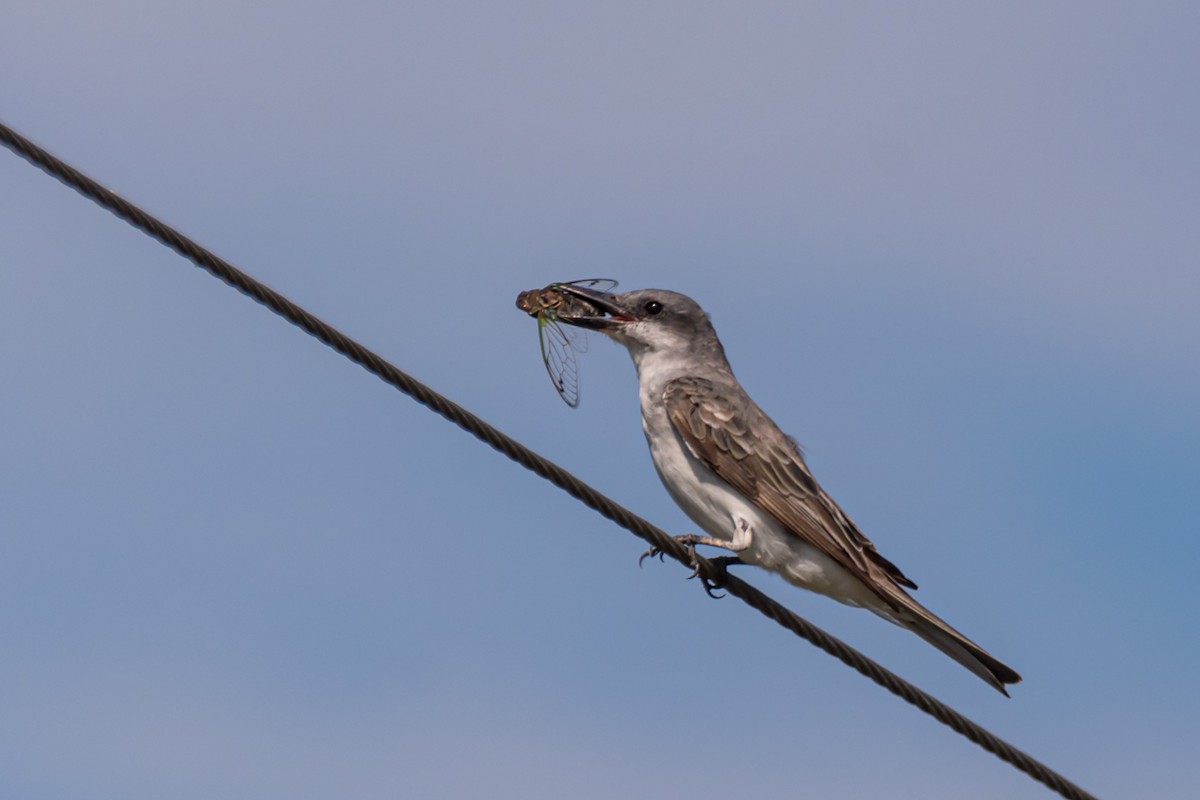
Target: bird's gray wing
766,466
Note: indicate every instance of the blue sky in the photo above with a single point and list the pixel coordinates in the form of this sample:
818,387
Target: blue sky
951,248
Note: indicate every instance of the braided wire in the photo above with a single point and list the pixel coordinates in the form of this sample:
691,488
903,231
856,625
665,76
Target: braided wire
527,458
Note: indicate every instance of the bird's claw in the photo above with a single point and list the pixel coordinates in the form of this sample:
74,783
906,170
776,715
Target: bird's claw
711,585
651,553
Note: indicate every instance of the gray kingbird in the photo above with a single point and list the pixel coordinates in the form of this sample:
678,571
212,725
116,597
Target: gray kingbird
743,481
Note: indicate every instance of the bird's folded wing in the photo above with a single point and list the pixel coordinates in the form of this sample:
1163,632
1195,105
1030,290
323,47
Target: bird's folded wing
766,466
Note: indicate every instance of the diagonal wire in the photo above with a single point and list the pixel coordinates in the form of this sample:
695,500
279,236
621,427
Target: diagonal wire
359,354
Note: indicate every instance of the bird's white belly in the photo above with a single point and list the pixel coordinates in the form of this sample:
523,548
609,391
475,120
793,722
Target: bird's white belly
724,513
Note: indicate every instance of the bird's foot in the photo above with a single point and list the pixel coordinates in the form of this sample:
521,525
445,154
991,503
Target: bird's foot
722,563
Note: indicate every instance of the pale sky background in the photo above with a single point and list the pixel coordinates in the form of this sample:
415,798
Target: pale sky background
951,247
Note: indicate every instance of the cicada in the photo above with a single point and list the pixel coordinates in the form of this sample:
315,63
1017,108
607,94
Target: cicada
560,342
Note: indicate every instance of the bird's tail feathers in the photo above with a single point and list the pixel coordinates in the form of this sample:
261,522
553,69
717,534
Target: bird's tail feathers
929,627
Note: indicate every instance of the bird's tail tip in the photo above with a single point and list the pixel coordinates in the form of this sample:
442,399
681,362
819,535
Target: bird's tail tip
992,670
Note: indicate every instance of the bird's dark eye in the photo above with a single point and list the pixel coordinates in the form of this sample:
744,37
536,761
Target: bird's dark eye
653,307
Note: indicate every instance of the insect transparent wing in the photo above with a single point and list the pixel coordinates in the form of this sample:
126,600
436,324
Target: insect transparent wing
595,284
558,354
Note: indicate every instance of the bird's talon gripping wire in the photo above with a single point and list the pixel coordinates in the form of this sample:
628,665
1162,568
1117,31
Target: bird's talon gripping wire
711,585
651,553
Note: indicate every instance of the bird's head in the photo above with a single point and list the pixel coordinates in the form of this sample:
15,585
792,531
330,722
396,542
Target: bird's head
647,320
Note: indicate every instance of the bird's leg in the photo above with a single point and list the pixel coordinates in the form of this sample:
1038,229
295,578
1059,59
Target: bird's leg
688,540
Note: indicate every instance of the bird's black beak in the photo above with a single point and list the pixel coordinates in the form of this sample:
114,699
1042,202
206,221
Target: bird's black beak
604,314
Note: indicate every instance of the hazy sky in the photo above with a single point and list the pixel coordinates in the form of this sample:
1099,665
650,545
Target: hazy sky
950,247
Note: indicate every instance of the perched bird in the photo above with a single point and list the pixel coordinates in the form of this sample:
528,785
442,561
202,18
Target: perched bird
742,480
